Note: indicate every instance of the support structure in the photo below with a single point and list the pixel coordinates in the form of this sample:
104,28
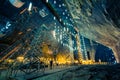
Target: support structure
92,51
26,58
80,56
71,48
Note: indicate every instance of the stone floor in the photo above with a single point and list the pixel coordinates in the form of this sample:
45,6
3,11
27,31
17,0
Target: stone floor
77,72
87,72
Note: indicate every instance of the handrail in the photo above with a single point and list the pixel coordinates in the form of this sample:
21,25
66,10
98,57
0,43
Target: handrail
11,48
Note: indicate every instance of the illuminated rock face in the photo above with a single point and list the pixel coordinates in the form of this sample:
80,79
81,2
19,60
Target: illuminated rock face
97,20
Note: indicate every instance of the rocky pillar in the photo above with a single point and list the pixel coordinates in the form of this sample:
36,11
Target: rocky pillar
71,49
116,50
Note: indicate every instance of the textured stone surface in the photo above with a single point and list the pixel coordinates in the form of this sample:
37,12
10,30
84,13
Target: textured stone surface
93,72
97,20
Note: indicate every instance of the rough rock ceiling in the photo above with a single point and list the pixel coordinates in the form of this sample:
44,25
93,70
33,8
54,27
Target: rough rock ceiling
98,20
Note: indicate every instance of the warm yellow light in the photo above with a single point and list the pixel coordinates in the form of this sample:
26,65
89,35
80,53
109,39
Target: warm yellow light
46,50
20,58
87,62
10,60
61,61
76,61
62,58
45,60
68,62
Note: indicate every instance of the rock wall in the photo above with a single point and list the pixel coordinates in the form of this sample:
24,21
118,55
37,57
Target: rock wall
94,20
